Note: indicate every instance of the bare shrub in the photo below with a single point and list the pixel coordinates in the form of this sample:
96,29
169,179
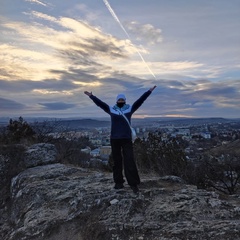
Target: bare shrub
11,163
162,157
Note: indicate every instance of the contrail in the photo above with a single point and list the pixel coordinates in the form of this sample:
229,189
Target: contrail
120,24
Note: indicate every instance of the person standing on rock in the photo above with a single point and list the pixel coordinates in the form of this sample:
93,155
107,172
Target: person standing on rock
121,138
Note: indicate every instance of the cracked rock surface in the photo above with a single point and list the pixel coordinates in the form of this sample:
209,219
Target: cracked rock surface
61,202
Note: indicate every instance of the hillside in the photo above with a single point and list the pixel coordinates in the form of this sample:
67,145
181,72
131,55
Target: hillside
232,147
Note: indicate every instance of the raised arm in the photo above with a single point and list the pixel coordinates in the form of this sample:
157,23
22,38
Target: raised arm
88,93
152,88
140,101
98,102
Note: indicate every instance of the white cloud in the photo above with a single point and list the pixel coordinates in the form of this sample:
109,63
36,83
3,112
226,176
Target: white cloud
82,46
146,32
41,16
55,57
74,45
19,63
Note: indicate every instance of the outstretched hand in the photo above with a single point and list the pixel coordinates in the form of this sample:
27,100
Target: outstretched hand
88,93
151,89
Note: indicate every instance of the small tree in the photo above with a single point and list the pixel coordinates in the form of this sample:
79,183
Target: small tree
69,149
18,130
222,174
175,157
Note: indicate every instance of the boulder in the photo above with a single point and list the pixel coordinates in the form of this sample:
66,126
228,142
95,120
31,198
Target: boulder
40,154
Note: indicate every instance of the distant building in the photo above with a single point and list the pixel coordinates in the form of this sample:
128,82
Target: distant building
183,132
105,151
206,135
95,152
106,141
96,141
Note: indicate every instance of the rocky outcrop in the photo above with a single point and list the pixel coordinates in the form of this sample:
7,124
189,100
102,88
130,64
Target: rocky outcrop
40,154
59,202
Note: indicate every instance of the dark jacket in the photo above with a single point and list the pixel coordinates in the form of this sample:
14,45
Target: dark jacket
119,126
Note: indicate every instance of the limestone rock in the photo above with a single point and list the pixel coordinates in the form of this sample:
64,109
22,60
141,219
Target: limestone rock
40,154
59,202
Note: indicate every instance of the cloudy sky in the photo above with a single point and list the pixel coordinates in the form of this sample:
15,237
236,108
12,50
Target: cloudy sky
51,51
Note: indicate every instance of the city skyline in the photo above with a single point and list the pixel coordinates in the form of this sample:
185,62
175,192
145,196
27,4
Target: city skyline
51,52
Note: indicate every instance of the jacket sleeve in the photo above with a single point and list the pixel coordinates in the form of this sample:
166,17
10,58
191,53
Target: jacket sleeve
140,101
100,104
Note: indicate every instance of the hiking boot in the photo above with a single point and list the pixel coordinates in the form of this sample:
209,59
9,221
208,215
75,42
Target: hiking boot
118,186
135,189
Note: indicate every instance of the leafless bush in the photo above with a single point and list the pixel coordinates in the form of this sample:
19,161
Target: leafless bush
162,157
223,173
11,163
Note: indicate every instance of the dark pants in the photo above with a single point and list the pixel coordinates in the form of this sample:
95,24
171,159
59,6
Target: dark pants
122,153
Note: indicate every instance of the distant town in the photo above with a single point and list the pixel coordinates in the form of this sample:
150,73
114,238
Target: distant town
200,134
